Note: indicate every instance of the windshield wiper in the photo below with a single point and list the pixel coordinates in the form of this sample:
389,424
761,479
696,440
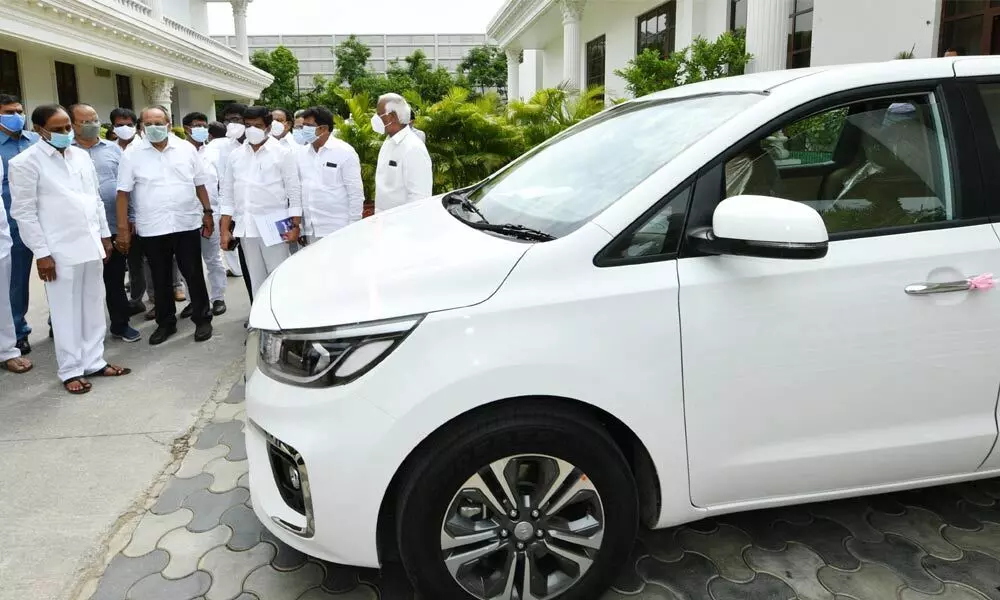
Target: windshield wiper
517,231
463,201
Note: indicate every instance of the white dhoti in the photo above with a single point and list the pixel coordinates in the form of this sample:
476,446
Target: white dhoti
7,336
215,270
76,303
231,258
262,260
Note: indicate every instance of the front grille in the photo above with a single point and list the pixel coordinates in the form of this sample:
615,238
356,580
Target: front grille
282,466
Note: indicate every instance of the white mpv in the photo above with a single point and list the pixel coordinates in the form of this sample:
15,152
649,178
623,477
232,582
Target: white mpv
750,292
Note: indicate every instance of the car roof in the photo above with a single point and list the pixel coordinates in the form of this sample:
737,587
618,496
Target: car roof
855,75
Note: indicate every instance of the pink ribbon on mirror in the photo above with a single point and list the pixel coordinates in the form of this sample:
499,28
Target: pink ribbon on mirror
982,282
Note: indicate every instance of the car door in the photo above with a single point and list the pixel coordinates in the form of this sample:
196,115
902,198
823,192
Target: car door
804,377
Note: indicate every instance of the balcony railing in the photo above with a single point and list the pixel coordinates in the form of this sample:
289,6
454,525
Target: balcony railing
135,6
191,33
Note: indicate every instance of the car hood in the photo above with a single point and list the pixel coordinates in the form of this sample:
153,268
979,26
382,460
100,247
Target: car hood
411,260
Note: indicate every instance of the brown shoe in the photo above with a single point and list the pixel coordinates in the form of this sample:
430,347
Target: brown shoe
179,296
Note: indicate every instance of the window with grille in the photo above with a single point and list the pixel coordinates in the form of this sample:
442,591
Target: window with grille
10,74
124,85
595,62
656,29
66,84
738,14
800,29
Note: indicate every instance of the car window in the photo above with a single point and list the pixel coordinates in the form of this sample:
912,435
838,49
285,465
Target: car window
875,164
563,183
990,93
657,235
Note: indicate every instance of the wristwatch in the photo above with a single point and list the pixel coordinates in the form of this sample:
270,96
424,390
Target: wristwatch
208,211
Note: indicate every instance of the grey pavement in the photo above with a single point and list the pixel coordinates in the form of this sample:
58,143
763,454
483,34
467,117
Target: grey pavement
77,469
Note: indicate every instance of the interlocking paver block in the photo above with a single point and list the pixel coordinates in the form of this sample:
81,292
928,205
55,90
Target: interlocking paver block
628,580
951,592
214,434
763,587
158,587
244,480
196,459
973,494
986,541
246,527
852,515
287,558
943,501
177,490
229,569
921,526
724,547
267,582
362,592
236,395
246,596
974,569
870,582
687,578
653,592
226,473
391,582
151,528
662,544
901,556
797,566
226,412
208,507
761,525
123,572
984,514
824,537
187,548
990,487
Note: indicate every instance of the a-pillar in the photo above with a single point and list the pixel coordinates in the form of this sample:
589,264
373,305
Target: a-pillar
767,34
240,26
158,93
513,73
572,11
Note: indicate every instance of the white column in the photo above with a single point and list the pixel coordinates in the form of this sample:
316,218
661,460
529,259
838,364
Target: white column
513,73
572,11
240,24
767,34
157,7
158,93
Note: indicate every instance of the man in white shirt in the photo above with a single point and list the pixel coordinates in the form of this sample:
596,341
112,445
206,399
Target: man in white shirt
232,118
260,186
404,171
332,193
165,179
10,356
196,130
281,127
420,133
58,209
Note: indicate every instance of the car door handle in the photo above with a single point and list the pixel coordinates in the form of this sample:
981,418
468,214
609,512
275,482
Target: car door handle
923,289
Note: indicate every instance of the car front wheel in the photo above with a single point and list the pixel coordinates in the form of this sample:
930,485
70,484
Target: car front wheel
527,505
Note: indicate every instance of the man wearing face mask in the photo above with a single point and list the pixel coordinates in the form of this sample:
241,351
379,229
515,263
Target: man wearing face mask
281,126
297,128
105,156
57,204
232,117
332,193
196,129
261,181
166,179
123,122
13,141
403,173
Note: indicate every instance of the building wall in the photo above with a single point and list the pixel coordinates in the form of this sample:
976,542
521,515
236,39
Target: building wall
887,28
179,10
530,74
552,64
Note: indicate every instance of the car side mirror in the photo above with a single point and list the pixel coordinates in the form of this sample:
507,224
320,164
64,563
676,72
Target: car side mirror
763,227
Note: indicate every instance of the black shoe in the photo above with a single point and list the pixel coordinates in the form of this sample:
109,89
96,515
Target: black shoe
161,335
187,311
136,307
219,307
202,332
23,345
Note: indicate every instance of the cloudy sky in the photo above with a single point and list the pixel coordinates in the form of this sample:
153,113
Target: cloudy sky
350,16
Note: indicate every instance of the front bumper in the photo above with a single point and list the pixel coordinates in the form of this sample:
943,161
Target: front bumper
335,438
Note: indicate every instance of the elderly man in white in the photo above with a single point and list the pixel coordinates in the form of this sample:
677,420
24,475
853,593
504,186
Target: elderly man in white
58,209
333,196
10,357
260,185
403,173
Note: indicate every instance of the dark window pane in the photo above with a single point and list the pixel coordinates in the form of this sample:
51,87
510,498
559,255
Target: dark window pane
801,59
738,16
124,83
963,34
964,7
801,5
10,75
655,29
802,38
66,84
595,61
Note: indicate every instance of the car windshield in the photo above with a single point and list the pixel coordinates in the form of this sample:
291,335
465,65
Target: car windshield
568,180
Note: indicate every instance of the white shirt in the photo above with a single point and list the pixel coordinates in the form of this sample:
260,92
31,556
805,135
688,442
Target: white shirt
404,171
333,196
224,147
57,205
162,186
260,183
5,240
420,134
211,158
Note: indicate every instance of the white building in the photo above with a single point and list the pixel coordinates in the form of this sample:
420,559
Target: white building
582,42
315,52
128,53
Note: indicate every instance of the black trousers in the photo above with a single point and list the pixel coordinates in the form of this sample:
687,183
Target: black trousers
136,269
161,250
114,288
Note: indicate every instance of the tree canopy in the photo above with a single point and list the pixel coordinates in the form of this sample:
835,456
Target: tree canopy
486,68
283,65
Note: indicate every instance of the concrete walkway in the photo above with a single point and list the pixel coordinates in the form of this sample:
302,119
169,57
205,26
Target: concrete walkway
76,469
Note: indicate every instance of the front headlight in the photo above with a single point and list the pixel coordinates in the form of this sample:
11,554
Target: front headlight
329,357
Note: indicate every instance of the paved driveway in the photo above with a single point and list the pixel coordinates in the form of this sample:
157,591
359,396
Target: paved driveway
200,539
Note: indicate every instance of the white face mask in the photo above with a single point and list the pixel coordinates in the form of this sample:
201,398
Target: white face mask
277,128
377,125
125,132
255,135
235,131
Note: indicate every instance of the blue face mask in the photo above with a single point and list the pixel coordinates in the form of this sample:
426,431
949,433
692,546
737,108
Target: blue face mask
199,134
60,141
12,123
308,134
298,136
156,133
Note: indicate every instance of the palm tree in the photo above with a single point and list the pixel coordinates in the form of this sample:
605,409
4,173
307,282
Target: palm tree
552,110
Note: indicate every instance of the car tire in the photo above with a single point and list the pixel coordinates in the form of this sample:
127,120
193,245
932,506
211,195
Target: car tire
530,444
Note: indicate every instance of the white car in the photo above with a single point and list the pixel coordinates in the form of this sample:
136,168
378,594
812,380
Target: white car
750,292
